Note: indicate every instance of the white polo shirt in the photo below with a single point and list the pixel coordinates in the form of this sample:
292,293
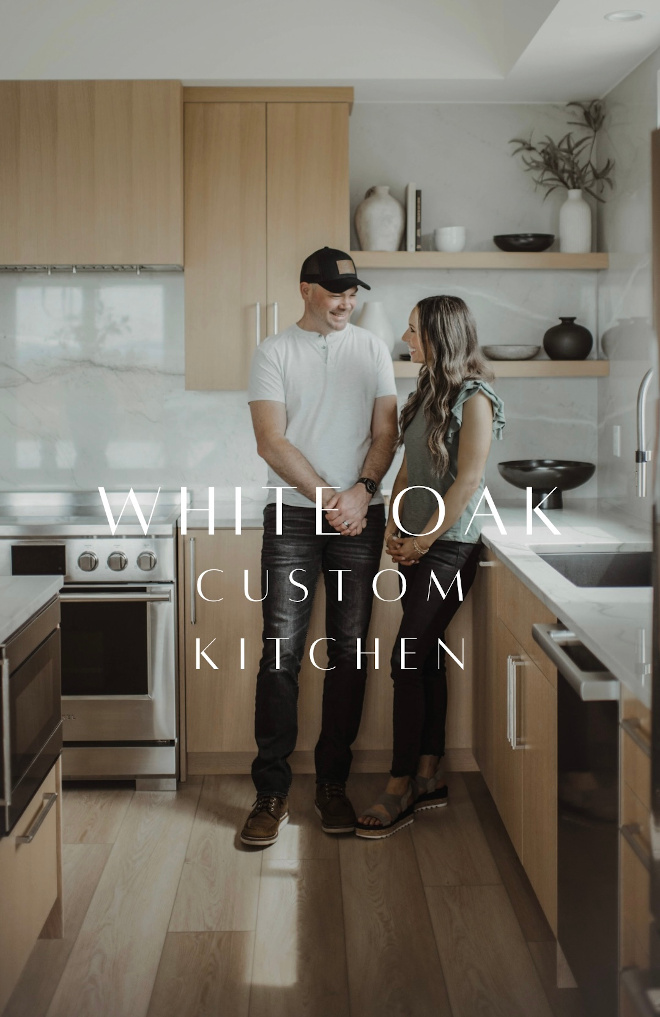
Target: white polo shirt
328,385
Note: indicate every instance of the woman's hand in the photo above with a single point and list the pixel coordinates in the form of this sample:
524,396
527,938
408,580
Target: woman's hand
390,532
402,550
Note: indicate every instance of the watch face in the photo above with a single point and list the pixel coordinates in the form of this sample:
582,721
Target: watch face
370,485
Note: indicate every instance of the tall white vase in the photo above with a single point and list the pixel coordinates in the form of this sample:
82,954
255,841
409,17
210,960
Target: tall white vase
575,224
379,220
374,318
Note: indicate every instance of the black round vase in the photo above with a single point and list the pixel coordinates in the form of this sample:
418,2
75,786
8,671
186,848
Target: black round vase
568,341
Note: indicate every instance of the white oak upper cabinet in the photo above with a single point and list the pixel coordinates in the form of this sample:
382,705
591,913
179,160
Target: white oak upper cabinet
266,183
91,172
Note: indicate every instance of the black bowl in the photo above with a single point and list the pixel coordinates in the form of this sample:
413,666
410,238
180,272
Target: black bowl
524,241
542,475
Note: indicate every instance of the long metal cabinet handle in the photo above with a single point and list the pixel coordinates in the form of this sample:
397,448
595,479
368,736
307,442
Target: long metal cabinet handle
116,598
640,738
508,699
6,736
258,326
193,604
631,834
49,800
276,318
512,663
487,564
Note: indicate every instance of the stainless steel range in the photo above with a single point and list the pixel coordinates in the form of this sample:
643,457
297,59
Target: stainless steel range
119,687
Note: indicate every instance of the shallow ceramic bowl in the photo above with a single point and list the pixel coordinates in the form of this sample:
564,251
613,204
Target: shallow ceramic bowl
511,352
524,241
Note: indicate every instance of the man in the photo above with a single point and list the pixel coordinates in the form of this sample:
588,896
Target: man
323,404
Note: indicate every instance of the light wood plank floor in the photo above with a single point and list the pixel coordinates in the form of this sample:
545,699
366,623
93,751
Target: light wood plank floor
168,915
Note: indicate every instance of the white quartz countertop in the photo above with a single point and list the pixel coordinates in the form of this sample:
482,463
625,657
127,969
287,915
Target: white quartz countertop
615,624
21,597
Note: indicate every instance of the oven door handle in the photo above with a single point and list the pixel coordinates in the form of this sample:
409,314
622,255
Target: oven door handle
6,736
77,597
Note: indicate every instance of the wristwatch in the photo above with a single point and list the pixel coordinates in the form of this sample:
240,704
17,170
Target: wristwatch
370,484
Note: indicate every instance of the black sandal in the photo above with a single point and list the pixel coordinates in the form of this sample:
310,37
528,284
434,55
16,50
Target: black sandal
400,809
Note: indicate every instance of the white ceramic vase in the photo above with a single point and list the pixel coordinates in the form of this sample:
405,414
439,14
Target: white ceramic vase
379,220
374,318
575,224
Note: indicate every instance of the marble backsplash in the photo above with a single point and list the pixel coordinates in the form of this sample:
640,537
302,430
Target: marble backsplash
92,381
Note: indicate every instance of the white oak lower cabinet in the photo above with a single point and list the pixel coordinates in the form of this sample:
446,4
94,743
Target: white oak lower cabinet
30,885
515,724
217,706
634,842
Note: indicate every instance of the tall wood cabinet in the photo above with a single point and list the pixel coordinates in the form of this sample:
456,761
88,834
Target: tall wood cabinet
266,183
217,706
91,172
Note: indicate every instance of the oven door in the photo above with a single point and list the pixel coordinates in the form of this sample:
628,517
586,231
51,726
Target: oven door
118,663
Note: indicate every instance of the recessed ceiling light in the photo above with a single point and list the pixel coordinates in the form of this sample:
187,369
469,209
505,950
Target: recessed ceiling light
624,16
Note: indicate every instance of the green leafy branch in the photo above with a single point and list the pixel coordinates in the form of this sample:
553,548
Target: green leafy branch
569,162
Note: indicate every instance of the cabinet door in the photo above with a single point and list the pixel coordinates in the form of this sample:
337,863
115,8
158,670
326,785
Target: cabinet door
28,883
484,732
225,241
220,703
508,762
539,738
91,173
308,194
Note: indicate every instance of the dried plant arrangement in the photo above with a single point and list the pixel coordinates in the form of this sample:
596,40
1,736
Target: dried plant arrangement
569,162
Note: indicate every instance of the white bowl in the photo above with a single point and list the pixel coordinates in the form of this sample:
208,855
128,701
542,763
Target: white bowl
511,352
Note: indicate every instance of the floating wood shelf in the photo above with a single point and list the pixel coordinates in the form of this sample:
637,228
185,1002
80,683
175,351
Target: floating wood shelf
527,368
479,259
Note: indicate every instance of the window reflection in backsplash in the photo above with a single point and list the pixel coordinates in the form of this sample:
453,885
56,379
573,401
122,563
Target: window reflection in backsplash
92,390
101,323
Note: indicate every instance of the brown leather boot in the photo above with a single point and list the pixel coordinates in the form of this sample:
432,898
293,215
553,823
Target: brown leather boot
262,826
334,808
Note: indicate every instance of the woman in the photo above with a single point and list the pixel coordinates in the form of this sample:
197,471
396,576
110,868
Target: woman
446,427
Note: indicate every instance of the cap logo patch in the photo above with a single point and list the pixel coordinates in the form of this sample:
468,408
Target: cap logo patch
346,267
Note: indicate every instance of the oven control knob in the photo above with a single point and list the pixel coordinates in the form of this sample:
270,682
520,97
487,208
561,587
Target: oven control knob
87,561
117,561
147,561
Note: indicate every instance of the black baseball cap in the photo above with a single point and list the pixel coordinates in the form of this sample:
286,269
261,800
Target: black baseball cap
331,269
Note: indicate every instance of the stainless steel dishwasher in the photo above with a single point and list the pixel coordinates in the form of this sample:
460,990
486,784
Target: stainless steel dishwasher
587,817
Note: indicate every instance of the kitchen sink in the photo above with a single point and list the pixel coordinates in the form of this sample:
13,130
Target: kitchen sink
602,568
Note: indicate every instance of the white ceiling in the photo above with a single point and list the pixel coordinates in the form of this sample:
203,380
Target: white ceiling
420,50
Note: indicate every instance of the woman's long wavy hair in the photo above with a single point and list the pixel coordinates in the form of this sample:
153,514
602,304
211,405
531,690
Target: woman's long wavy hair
448,336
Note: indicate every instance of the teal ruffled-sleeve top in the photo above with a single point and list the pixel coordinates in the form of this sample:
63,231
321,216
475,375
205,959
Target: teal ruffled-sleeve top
419,505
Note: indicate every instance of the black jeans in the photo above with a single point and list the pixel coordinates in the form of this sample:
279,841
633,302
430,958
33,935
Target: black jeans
287,616
420,689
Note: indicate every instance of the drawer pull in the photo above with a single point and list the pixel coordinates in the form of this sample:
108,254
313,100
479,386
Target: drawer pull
487,564
638,735
6,736
193,602
49,800
631,834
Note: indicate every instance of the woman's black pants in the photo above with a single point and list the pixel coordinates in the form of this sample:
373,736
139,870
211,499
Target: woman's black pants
418,664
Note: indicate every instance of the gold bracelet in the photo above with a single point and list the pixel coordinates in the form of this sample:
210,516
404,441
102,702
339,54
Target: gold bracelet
420,550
